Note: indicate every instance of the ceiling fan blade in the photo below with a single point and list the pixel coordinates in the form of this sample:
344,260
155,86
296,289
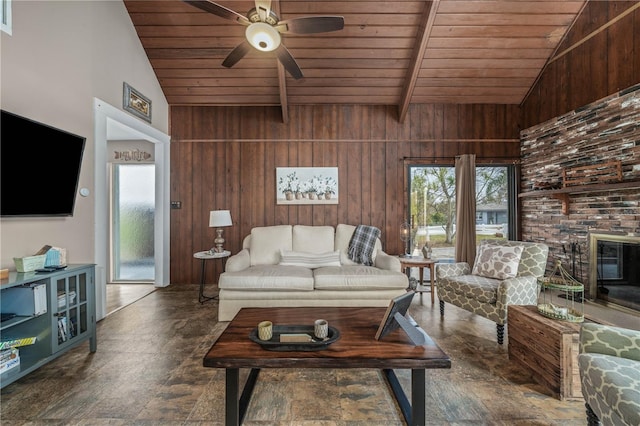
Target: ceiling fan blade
288,62
263,7
218,10
236,54
311,24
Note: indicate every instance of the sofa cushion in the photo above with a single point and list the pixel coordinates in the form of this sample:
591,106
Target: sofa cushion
309,260
266,243
482,289
358,277
268,277
343,237
313,239
500,262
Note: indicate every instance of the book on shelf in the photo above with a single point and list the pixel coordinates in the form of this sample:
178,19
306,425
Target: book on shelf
8,354
10,365
62,329
14,343
9,359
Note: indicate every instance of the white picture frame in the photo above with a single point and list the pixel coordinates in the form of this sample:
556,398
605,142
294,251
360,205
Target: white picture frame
307,185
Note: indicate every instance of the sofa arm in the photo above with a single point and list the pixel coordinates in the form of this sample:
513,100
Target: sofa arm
238,262
386,261
444,270
608,340
519,291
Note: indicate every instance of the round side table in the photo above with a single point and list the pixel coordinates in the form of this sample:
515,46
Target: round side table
204,256
420,263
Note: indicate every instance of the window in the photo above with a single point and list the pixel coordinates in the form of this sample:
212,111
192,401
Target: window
5,17
432,206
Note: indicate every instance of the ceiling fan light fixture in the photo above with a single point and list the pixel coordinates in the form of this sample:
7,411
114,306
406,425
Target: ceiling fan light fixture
263,36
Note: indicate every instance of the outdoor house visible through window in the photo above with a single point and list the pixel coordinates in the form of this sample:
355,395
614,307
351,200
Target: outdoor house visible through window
5,19
432,205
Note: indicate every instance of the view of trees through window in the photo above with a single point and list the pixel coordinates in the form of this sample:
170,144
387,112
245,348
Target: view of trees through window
432,203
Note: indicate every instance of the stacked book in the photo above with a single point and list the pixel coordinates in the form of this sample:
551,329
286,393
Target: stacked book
9,359
14,343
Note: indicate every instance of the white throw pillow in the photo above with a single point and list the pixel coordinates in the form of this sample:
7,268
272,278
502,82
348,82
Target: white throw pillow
499,262
266,243
309,260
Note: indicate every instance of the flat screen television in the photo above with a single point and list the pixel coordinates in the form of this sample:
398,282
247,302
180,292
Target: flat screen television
39,168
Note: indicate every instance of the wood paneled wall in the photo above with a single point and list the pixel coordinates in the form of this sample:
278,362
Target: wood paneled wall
225,158
600,56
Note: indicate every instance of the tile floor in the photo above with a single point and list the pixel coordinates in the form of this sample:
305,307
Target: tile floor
148,371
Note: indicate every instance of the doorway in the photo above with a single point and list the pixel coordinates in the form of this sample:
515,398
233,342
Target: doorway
113,124
132,212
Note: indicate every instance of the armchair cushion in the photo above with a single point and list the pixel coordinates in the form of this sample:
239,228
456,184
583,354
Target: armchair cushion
476,287
499,262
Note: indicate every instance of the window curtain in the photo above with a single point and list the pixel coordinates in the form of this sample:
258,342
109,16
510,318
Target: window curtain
466,208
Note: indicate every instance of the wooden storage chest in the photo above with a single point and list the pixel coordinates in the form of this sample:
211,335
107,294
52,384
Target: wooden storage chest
547,348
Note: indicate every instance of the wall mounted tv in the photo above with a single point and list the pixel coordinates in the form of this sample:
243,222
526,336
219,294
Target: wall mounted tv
39,168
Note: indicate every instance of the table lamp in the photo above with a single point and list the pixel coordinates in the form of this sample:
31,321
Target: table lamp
219,219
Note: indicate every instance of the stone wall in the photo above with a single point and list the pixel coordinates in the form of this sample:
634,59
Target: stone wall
605,130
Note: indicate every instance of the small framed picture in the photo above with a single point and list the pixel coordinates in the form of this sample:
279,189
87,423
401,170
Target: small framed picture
399,305
136,103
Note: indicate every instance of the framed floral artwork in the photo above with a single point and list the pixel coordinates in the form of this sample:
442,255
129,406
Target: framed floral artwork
307,185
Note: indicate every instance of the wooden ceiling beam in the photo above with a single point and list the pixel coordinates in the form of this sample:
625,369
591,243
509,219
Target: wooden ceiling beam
422,38
282,76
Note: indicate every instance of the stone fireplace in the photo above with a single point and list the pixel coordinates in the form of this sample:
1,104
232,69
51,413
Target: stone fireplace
592,228
614,270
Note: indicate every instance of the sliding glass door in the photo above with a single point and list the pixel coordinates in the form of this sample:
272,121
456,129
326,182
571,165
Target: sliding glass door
432,206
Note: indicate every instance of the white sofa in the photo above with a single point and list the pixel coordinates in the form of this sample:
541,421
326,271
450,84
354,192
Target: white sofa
299,266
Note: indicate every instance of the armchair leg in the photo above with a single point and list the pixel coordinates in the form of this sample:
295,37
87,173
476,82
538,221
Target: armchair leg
592,419
500,330
441,308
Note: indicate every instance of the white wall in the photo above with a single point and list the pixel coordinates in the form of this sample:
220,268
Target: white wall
60,56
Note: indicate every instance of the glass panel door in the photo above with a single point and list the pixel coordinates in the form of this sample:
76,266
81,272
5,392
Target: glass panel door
432,206
132,222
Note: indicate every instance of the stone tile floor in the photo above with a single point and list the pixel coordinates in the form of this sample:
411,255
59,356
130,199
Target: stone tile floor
148,371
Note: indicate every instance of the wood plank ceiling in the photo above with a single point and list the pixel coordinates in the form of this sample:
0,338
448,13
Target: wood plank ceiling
389,52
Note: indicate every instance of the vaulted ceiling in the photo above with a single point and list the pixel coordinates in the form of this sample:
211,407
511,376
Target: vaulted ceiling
389,52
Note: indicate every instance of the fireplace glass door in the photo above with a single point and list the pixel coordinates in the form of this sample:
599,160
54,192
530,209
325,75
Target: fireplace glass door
616,263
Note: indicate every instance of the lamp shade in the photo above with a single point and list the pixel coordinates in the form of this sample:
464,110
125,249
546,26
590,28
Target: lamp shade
219,218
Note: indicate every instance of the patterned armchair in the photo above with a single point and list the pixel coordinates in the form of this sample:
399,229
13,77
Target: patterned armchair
609,365
504,273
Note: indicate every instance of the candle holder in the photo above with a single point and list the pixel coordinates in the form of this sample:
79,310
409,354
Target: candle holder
405,236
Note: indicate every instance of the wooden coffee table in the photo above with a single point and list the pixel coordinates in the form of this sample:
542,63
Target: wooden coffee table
356,348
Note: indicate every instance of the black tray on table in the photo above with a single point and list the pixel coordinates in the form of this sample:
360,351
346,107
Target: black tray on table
274,344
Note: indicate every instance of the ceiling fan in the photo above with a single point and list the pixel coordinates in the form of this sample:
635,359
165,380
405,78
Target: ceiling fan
264,28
